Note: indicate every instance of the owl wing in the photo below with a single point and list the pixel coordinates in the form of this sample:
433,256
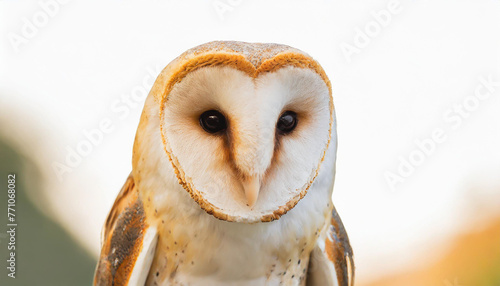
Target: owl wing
331,261
128,243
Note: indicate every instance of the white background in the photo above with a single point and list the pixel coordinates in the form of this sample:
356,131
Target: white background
77,62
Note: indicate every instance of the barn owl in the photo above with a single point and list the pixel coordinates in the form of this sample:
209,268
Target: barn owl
233,171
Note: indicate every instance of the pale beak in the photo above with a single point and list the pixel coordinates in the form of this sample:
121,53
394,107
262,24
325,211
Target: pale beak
251,185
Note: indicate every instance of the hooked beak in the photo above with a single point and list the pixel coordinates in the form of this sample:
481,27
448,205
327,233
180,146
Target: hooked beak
251,185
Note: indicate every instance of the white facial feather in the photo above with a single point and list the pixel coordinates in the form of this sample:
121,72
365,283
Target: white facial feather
217,164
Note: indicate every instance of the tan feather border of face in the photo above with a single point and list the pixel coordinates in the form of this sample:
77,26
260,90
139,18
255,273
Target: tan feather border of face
239,62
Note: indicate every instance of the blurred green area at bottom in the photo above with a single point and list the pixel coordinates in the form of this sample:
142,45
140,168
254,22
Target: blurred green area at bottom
45,253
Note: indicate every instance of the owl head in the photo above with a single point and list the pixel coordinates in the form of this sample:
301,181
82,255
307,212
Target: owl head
244,127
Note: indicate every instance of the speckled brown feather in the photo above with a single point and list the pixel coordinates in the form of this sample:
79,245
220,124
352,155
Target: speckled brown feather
123,236
339,251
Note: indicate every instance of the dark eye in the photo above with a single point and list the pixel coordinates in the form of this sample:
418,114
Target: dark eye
213,121
287,122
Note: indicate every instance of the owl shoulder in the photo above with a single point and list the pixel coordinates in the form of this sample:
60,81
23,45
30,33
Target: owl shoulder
332,260
128,242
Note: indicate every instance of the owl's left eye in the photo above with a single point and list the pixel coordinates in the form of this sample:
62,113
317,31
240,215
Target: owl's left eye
213,121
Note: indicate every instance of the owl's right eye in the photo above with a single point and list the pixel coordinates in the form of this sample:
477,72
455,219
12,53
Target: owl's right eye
213,121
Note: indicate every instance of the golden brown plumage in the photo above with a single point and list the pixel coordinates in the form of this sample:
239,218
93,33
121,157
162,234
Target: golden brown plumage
122,237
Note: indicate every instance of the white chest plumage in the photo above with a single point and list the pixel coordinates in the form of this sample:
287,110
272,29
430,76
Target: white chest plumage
195,248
